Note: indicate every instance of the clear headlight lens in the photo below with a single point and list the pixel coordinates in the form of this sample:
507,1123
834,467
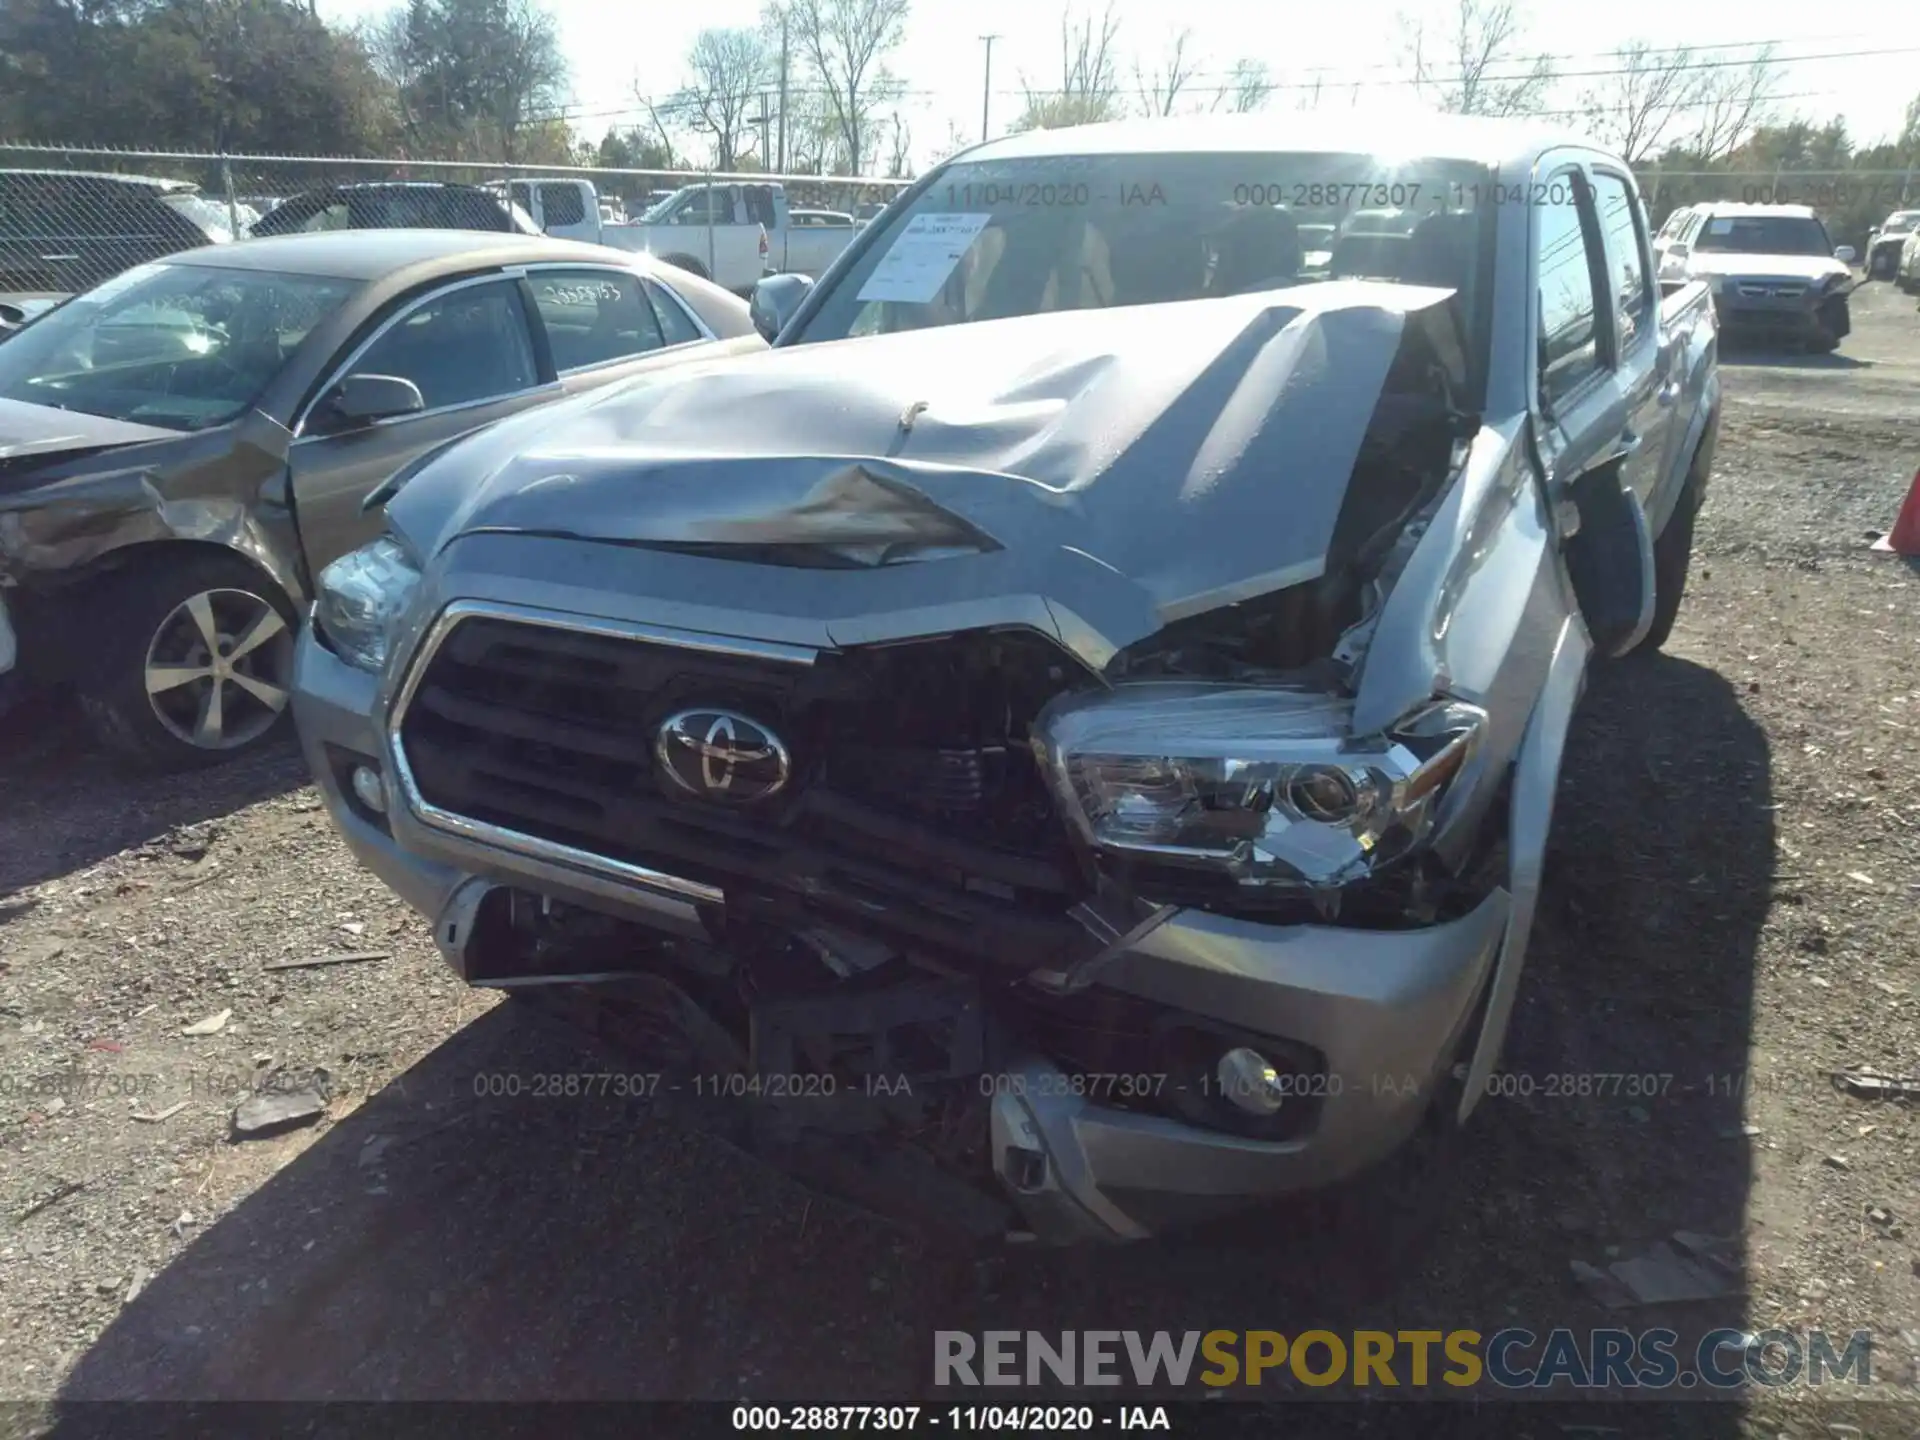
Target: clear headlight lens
362,596
1265,785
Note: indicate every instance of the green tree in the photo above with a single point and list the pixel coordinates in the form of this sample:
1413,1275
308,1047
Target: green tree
474,77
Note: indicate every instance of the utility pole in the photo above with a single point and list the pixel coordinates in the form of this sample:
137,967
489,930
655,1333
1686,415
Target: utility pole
761,123
986,85
781,168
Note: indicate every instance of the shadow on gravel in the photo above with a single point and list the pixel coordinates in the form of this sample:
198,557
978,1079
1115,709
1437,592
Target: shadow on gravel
435,1244
65,805
1760,357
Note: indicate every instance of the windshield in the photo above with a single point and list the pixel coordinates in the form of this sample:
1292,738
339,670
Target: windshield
657,211
203,212
1765,235
992,239
182,347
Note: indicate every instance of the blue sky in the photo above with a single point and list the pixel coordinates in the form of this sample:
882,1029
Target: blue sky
613,48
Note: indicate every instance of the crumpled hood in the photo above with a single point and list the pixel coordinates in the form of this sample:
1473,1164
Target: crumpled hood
1811,268
1200,449
42,430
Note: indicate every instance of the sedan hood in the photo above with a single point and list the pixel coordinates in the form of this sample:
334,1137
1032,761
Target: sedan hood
1202,450
1810,268
40,430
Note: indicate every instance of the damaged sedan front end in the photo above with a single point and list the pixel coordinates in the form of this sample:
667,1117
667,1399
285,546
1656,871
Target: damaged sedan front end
1077,773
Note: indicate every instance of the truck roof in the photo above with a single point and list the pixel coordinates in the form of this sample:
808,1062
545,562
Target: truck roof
1732,210
1439,137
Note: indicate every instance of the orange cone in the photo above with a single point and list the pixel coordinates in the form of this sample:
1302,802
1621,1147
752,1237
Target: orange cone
1904,538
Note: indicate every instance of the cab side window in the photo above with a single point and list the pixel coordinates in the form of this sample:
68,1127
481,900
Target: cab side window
1569,243
1621,224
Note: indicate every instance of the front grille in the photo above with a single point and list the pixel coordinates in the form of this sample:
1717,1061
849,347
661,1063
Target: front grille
914,811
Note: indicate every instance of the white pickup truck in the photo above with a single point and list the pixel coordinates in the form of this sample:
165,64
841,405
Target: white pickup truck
728,232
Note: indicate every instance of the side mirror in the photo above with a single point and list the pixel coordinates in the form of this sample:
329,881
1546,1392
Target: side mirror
362,399
775,299
1846,255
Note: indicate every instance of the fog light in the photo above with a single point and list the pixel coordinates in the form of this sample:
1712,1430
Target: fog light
1249,1082
370,789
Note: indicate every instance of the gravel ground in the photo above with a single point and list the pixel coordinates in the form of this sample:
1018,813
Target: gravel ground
1733,886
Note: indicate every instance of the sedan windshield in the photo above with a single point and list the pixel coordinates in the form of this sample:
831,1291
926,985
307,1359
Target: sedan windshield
1765,235
181,347
991,239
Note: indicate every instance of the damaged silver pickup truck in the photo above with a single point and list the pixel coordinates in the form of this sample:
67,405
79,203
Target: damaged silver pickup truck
1084,726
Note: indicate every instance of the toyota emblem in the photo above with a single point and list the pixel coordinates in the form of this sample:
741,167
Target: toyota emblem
722,756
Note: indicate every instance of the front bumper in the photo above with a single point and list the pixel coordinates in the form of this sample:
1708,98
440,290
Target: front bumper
1810,315
1389,1011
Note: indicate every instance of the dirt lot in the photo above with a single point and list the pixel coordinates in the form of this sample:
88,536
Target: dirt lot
1734,891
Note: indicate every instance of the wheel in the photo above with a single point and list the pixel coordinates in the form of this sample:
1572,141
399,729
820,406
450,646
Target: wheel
689,264
1672,556
195,662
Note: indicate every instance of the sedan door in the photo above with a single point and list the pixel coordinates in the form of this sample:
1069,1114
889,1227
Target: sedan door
469,348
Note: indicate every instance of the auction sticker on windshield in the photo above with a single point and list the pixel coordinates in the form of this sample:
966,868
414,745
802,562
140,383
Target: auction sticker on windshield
919,262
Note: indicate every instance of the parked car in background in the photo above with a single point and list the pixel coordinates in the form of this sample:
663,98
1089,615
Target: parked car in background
1099,678
63,231
394,205
1774,272
17,310
734,233
1885,241
183,447
1906,272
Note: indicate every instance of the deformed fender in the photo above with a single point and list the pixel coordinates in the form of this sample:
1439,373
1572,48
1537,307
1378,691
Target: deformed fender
55,532
1536,777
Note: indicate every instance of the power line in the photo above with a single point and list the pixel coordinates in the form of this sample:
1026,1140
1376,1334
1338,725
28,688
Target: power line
1400,81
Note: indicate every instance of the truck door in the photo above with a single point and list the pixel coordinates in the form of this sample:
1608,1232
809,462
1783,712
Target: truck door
761,212
1581,423
1644,360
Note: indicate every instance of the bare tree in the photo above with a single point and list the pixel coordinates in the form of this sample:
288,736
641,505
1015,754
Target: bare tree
845,43
1089,78
660,115
1733,102
1160,87
1249,87
1475,64
900,148
1636,109
729,68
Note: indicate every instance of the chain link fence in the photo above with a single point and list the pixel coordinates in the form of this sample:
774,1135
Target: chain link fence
71,217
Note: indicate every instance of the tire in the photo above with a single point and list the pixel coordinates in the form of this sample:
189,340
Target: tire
688,264
148,693
1672,558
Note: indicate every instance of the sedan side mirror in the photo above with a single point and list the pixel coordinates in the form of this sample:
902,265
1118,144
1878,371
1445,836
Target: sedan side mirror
1846,254
775,300
363,399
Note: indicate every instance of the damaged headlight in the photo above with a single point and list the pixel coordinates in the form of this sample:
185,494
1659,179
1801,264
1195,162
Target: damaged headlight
362,597
1265,785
